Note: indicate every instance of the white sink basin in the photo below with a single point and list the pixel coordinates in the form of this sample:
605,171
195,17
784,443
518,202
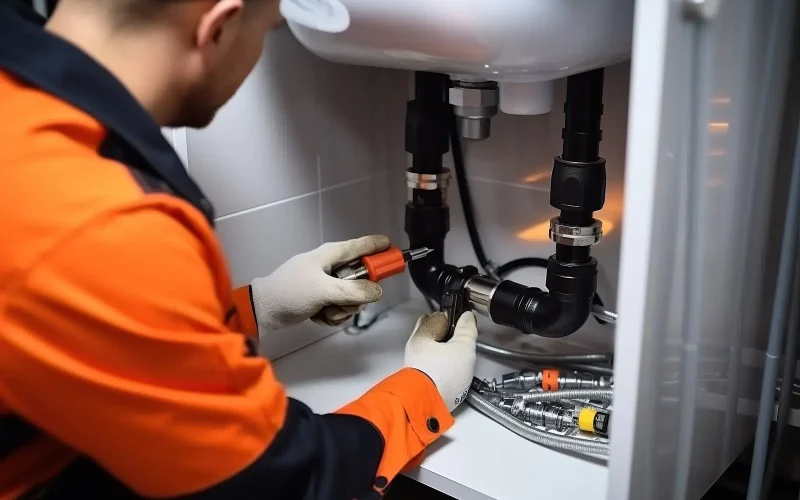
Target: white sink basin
500,40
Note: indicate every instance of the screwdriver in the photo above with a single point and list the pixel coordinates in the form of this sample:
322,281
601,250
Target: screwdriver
380,265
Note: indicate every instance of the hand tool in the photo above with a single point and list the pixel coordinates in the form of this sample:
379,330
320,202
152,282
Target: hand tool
380,265
455,297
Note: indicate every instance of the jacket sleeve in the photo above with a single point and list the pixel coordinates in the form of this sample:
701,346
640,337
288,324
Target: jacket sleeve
116,345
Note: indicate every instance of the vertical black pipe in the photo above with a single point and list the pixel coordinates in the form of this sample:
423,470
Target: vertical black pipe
583,110
427,214
427,121
577,189
578,181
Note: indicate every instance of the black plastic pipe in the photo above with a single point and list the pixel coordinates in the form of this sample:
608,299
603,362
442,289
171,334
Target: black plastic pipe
427,214
579,190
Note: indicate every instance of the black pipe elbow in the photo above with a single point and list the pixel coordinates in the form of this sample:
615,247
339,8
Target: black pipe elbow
427,226
533,311
426,273
557,313
572,285
570,316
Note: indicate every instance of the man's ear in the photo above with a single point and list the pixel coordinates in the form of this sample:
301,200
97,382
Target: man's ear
214,23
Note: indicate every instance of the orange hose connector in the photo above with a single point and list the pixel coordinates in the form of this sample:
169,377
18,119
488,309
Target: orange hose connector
550,380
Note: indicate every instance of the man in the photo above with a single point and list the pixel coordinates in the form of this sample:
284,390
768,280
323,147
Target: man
124,371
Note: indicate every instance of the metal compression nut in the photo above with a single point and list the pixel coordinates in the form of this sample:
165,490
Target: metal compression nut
428,182
575,236
475,103
475,97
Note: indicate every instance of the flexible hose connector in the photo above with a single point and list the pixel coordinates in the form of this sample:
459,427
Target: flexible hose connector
593,394
535,435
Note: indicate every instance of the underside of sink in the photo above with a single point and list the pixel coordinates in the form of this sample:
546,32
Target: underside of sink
498,40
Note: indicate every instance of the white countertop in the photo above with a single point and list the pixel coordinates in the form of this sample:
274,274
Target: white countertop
476,458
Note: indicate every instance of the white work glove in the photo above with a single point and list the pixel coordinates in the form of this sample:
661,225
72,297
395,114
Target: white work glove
302,287
450,365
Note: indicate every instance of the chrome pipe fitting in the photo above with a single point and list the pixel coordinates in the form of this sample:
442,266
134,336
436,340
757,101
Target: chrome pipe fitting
480,290
575,236
475,103
528,380
428,182
548,415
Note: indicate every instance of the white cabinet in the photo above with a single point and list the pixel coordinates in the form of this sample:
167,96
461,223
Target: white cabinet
701,220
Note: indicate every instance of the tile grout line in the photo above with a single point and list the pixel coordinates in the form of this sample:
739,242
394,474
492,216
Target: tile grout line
267,205
510,184
300,196
354,181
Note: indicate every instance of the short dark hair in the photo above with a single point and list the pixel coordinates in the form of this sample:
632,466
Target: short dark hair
137,12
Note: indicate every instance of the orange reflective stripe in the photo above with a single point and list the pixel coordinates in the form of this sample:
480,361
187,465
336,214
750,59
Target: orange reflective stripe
244,309
408,411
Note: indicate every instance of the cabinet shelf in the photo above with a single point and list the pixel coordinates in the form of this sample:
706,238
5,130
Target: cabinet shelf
477,458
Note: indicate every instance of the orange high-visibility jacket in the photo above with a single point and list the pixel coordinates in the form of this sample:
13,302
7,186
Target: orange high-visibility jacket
124,366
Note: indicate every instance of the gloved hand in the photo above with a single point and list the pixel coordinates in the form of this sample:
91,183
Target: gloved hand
302,288
450,365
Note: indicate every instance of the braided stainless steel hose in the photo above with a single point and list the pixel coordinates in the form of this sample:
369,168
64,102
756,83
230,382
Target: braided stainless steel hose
593,394
475,400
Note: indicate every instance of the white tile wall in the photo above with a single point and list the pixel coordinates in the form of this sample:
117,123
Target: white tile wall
263,145
301,155
310,151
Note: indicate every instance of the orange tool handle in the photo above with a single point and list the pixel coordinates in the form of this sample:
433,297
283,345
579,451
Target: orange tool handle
385,264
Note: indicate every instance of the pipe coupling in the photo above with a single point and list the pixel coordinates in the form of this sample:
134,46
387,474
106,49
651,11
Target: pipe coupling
474,103
480,290
428,182
575,236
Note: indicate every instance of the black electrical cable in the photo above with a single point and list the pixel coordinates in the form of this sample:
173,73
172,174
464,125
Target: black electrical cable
514,265
466,197
357,326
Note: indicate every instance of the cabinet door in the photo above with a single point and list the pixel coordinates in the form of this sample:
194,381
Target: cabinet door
697,266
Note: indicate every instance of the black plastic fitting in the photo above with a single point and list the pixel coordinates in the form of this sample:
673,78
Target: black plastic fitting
525,308
578,182
578,187
577,190
427,227
557,313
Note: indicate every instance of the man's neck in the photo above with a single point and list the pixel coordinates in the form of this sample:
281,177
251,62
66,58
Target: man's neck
140,63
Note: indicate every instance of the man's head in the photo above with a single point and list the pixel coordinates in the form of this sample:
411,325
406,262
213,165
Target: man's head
194,53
